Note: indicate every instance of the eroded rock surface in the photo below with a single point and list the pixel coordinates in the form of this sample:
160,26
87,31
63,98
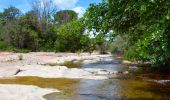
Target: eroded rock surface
5,72
36,64
23,92
62,72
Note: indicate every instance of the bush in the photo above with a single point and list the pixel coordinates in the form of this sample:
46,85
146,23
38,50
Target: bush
20,50
70,37
5,46
20,57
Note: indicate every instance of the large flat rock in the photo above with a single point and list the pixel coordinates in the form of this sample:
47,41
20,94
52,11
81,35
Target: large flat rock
8,71
59,72
23,92
33,64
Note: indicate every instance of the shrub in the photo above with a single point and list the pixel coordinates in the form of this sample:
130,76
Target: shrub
20,57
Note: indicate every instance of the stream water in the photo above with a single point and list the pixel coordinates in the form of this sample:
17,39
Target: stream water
136,86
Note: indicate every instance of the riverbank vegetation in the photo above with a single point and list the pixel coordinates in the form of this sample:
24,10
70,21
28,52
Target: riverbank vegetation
44,28
141,29
138,30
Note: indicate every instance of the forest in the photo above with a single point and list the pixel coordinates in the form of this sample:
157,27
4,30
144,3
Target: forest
138,30
41,29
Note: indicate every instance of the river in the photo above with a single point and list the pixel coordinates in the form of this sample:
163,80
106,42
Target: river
137,85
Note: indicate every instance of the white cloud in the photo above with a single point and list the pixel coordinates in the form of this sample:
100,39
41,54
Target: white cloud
65,4
79,10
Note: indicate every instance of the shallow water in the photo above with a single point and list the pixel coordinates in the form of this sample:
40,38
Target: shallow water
137,86
66,86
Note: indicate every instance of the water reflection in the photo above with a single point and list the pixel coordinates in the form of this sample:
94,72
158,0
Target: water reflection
144,90
139,86
98,90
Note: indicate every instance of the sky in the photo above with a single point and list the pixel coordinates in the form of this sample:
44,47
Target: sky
78,6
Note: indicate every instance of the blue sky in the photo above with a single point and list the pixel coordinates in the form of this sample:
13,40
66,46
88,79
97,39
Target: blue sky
77,5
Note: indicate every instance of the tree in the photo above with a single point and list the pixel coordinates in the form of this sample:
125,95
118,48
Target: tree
45,10
28,28
9,14
97,23
65,16
36,29
95,20
146,24
70,36
9,18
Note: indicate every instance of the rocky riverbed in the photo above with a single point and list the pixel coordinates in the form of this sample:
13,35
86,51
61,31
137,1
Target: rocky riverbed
70,76
47,65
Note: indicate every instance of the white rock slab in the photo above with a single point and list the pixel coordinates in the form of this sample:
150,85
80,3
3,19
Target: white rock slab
5,72
58,72
23,92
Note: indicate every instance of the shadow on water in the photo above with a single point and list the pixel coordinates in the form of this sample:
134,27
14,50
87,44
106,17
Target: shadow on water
144,90
139,86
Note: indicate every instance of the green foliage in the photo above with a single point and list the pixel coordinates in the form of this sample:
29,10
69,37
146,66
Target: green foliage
20,50
70,37
96,23
48,39
95,18
145,23
100,43
65,16
26,32
42,29
20,57
4,46
9,14
118,45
